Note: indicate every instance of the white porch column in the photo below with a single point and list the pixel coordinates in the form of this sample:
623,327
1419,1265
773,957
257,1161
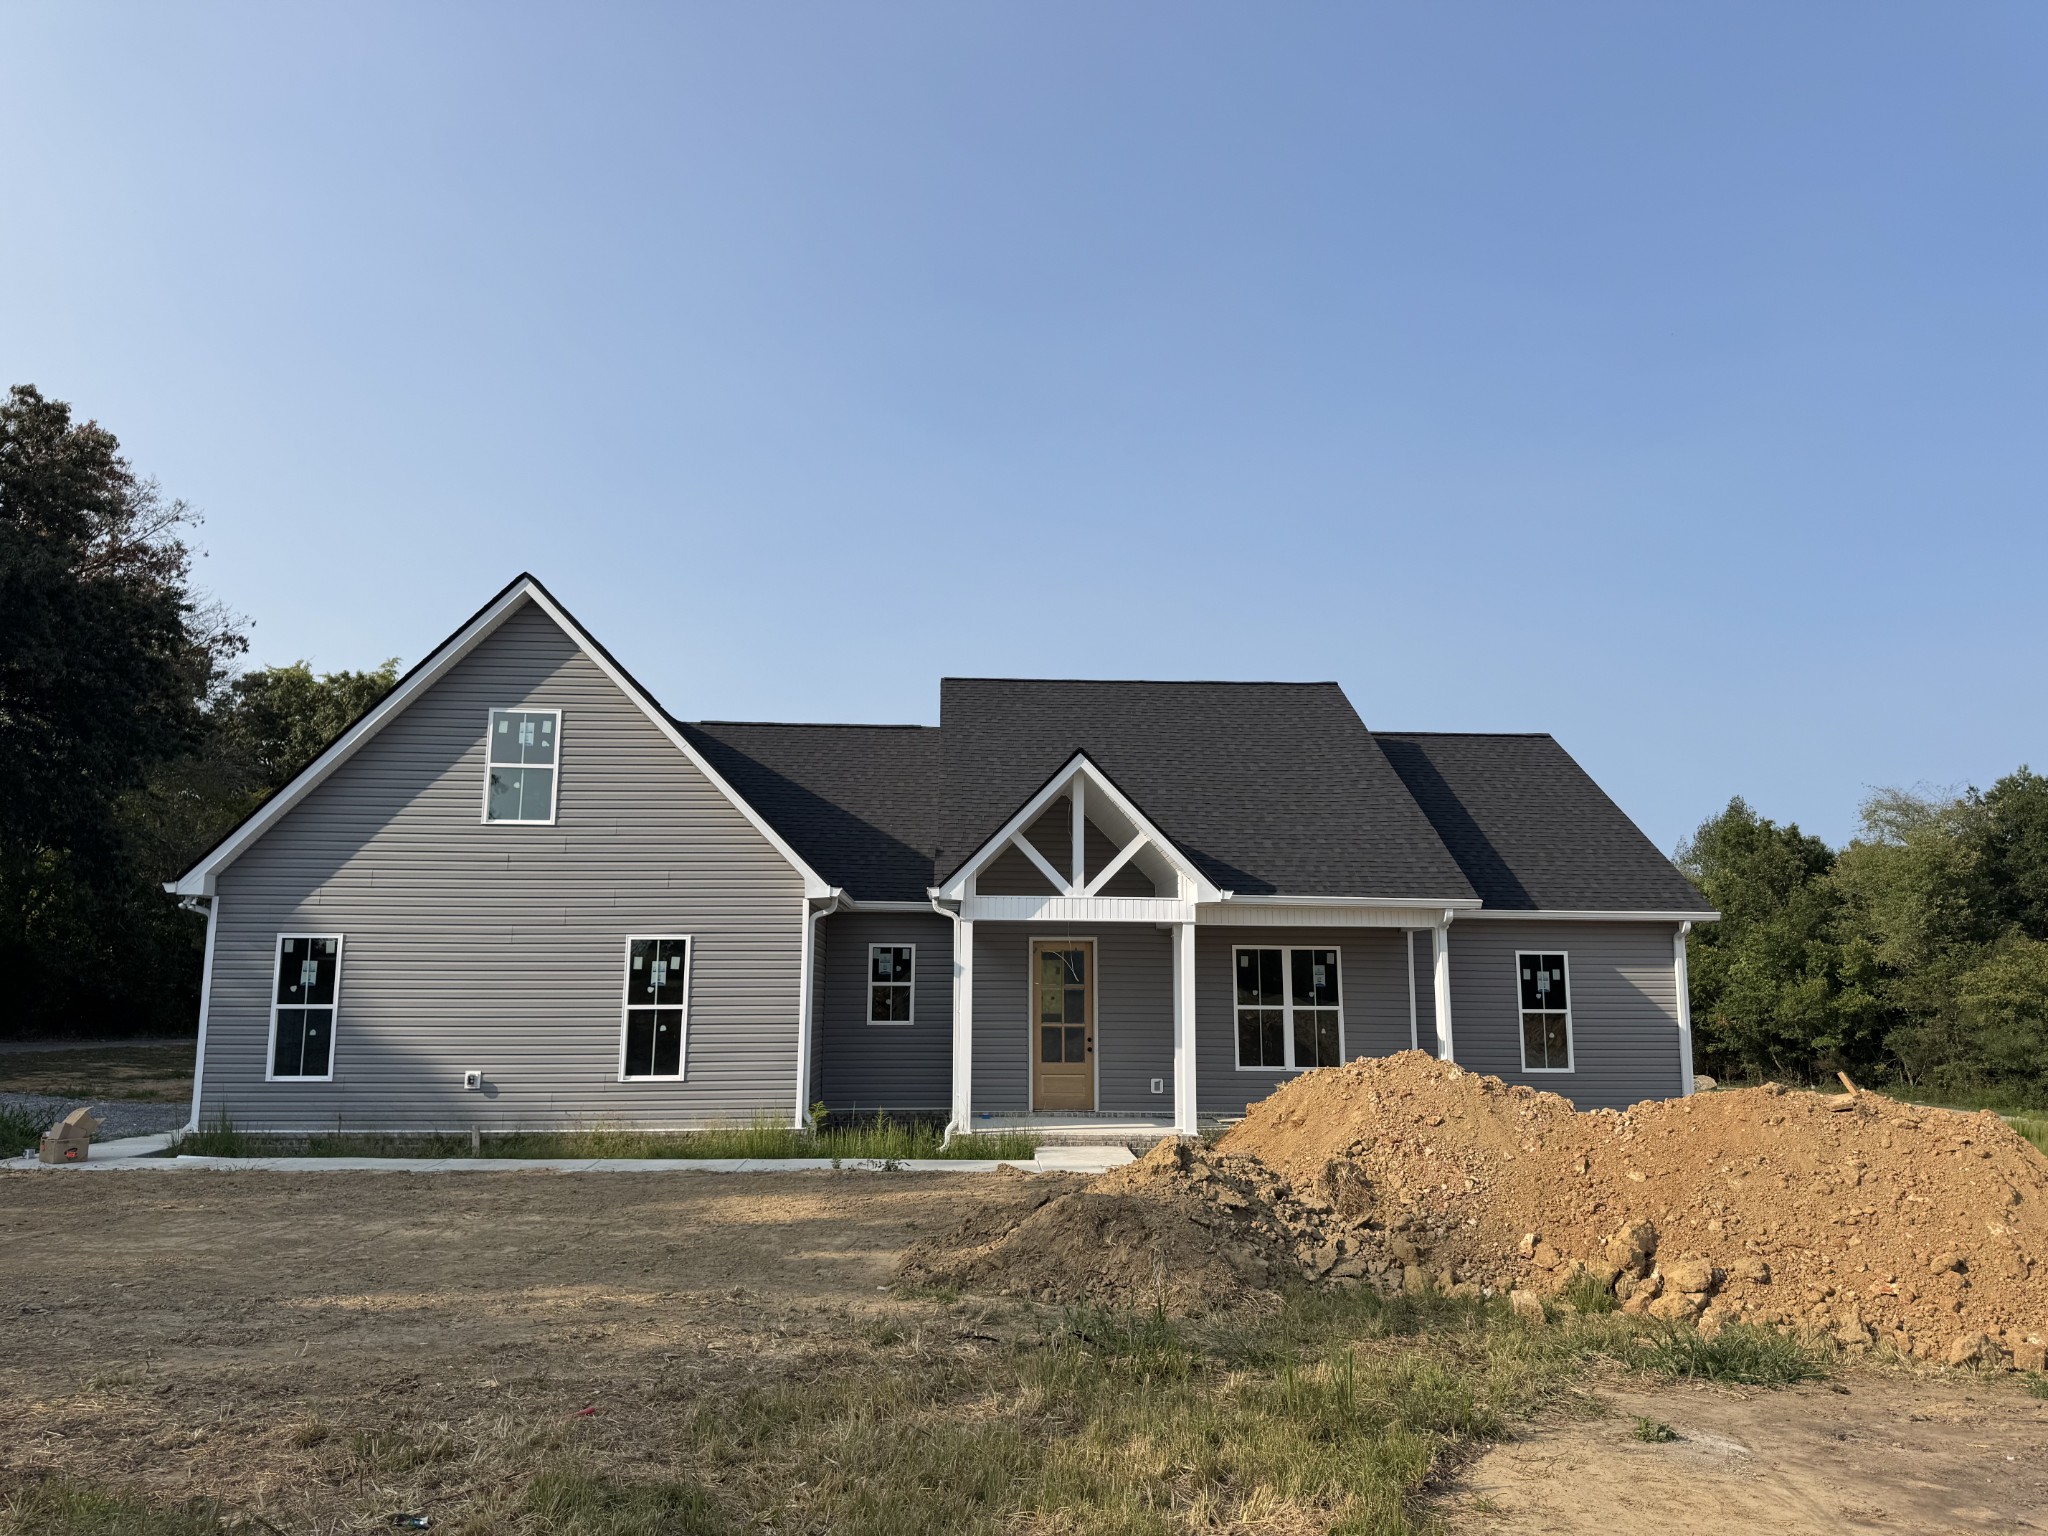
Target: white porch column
1185,1108
1408,956
1681,977
1441,946
963,1026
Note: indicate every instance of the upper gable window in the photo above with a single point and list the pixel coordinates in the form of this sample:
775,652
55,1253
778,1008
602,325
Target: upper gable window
525,745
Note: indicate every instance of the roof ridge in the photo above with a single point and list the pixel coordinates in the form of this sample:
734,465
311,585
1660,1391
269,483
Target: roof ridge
1379,730
815,725
1156,682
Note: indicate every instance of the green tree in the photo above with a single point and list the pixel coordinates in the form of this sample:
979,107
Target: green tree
106,660
1773,991
274,721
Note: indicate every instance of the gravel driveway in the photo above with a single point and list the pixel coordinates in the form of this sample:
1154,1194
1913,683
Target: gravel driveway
120,1117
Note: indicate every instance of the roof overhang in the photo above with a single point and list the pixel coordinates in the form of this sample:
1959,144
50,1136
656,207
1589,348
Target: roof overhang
199,879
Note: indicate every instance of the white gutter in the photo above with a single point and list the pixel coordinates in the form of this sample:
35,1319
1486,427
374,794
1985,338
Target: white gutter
953,1128
210,905
806,970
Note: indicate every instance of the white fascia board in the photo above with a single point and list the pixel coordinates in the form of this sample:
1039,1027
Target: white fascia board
1546,915
955,889
199,879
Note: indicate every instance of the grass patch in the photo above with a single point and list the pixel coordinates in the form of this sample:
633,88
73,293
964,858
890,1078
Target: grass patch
879,1139
62,1507
20,1131
1585,1293
2037,1385
567,1501
1654,1432
1757,1357
2033,1127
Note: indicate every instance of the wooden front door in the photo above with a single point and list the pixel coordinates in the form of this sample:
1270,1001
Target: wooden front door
1063,1024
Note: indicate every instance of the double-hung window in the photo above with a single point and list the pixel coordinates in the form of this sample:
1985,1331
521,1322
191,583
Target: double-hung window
1290,1014
1546,1012
657,1007
892,982
302,1008
523,756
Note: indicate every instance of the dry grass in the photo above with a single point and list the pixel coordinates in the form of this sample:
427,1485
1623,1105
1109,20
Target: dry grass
878,1139
159,1073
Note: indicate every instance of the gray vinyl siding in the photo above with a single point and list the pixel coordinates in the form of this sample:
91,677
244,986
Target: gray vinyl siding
1134,1007
1624,1012
1374,991
863,1066
502,948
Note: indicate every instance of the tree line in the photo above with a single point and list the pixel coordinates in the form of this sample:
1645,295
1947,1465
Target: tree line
132,738
1916,956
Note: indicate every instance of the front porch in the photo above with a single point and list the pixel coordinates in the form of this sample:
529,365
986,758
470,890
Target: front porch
1102,1001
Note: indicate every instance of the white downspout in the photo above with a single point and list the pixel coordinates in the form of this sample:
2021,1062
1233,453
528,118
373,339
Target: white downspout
807,967
963,1027
191,904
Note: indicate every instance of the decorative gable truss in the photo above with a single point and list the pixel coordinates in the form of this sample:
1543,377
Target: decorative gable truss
1079,890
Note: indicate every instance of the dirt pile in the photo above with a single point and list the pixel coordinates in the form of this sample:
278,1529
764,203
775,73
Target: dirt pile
1875,1221
1182,1226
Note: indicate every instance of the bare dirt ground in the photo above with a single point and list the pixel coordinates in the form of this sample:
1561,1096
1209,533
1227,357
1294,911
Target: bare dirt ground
1916,1454
159,1071
313,1346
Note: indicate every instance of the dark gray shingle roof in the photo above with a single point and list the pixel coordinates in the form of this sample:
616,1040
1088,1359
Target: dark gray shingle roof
1267,787
1530,828
858,802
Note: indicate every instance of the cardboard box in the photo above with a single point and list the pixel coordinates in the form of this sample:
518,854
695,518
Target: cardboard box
67,1140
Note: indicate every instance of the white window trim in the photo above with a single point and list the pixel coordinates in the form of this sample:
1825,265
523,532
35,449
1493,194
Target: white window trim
627,1006
875,1023
554,800
1571,1044
1287,1008
334,1016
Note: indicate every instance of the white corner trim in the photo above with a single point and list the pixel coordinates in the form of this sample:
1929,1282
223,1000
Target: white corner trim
199,880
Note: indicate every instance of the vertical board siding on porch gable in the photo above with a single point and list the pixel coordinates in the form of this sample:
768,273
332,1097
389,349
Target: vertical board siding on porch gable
863,1066
502,948
1623,1006
1133,1005
1375,994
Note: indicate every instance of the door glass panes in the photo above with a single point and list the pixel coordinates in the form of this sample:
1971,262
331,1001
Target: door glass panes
1289,1008
1063,1005
308,976
1546,1013
521,765
889,982
657,992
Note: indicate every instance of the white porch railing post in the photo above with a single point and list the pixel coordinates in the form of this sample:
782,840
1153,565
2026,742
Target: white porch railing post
963,1026
1442,950
1186,1110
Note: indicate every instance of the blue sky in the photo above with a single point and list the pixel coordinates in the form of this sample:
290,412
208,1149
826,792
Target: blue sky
1672,379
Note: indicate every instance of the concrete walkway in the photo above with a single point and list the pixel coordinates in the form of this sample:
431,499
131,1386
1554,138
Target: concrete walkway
145,1153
